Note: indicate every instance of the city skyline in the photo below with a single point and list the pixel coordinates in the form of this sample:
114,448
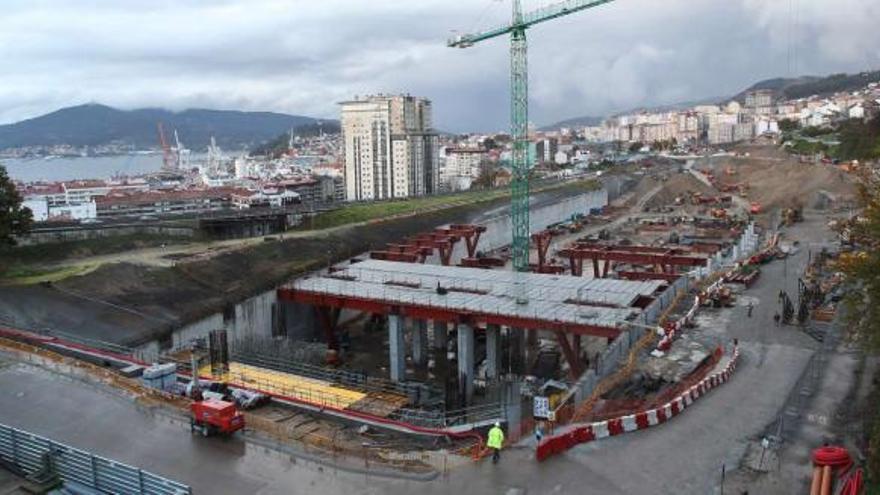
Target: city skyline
276,56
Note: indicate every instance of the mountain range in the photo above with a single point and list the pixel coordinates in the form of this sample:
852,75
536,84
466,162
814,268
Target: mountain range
95,124
786,88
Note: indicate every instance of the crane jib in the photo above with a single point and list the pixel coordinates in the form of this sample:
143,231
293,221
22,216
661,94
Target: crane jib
519,110
528,20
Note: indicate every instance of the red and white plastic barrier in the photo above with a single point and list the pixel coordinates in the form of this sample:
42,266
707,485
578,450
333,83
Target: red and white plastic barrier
671,328
584,433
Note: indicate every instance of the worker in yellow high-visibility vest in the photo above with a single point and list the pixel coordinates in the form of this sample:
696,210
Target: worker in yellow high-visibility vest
495,441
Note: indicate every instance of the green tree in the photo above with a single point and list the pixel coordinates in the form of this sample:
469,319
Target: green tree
862,268
860,140
787,125
15,219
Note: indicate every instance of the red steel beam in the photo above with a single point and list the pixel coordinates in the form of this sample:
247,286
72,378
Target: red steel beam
705,247
443,243
671,250
669,277
542,243
636,258
423,312
574,366
551,269
485,262
471,234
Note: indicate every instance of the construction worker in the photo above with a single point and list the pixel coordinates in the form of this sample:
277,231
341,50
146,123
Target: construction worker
776,318
495,441
750,308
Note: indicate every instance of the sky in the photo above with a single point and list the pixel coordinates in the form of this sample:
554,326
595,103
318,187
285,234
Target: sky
304,56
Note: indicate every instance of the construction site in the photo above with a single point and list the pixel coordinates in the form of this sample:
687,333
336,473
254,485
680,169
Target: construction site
435,337
695,297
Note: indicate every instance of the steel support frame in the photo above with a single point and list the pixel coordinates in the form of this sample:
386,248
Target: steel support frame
417,311
665,261
471,235
328,317
571,354
542,245
630,275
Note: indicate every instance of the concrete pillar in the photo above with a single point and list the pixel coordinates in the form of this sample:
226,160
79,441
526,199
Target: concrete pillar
531,346
420,342
493,351
466,361
440,335
516,350
512,403
396,348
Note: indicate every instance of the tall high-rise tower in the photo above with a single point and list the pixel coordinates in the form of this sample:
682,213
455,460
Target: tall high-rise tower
390,148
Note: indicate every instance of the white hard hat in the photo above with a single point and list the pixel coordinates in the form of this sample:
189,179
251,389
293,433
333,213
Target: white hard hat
498,424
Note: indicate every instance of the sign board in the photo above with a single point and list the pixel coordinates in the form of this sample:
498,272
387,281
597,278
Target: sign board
542,407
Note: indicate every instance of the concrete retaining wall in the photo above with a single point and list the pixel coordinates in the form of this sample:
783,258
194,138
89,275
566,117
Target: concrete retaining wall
69,234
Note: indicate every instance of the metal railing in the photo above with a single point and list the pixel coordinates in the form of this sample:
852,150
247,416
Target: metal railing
32,453
316,395
100,345
444,419
350,379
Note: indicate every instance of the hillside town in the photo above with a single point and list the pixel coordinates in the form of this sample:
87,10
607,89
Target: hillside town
328,170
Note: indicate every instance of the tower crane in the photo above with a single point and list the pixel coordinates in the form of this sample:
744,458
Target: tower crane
519,107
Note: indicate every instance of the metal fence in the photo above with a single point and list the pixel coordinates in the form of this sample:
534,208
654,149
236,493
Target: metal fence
32,453
786,424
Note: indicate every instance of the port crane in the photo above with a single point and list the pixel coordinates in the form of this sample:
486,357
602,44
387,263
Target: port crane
168,161
519,107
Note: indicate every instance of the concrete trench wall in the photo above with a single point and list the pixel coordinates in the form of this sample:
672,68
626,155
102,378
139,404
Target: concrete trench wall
261,315
82,234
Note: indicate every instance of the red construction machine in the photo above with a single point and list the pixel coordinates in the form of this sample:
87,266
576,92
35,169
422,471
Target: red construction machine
215,417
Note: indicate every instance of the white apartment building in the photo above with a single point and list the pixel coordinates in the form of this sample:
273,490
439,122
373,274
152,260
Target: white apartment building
759,99
463,162
390,148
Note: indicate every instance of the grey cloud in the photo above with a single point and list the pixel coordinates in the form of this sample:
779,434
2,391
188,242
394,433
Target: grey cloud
302,56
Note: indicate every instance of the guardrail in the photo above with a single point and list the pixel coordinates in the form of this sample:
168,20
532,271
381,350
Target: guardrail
32,453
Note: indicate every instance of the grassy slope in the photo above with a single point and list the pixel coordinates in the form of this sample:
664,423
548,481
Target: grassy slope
386,209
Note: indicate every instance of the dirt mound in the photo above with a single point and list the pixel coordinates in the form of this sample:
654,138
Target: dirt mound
785,182
679,185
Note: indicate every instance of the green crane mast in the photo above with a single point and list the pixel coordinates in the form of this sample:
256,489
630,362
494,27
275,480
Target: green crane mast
519,108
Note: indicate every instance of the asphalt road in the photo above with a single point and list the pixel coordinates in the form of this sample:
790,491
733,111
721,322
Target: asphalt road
683,456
